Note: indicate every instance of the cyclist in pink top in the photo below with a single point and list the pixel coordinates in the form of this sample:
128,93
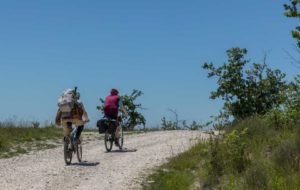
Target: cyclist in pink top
112,105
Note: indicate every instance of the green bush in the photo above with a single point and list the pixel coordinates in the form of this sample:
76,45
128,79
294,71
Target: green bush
257,128
235,155
287,156
168,125
277,119
227,155
216,165
256,176
278,183
2,145
252,154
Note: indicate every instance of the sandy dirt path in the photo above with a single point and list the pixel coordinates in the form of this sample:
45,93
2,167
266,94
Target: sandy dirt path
99,169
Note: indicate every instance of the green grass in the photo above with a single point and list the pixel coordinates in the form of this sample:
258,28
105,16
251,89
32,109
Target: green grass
18,140
178,173
251,155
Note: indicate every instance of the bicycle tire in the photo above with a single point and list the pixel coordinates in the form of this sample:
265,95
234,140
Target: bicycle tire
121,139
108,141
79,152
67,152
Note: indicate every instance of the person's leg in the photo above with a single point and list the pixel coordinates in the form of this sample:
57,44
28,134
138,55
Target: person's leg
117,134
67,127
78,132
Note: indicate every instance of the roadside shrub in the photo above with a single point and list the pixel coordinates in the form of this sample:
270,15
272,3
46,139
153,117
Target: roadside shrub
276,119
216,157
256,126
214,163
171,124
256,176
235,145
35,124
226,155
297,138
1,144
168,125
278,183
193,126
287,155
252,154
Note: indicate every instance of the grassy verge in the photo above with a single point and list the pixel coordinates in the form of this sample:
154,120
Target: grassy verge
252,154
19,140
179,173
14,140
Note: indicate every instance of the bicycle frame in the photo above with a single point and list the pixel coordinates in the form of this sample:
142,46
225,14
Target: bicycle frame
70,147
110,136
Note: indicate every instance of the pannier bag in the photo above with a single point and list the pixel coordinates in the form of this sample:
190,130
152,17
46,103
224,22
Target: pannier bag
66,101
102,124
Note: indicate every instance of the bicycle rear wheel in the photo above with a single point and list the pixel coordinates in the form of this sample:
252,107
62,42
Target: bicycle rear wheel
67,151
121,139
108,141
78,148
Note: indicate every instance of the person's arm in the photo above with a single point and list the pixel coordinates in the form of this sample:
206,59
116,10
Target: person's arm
122,108
124,111
85,115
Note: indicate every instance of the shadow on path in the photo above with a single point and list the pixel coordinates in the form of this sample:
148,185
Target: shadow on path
85,164
123,150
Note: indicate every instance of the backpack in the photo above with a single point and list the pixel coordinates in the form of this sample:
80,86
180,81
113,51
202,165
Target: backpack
77,111
66,101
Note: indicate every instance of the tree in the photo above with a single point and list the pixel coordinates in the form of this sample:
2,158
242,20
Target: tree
246,92
292,12
132,108
292,105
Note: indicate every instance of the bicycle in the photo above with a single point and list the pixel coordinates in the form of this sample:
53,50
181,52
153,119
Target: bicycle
71,146
109,127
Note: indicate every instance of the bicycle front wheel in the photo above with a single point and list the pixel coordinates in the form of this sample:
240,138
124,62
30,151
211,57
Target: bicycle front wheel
67,150
108,141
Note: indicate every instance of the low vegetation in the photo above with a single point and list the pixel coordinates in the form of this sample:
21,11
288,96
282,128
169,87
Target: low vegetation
177,124
17,140
252,154
178,173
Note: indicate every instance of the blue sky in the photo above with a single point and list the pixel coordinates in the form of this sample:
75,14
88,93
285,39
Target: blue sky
155,46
